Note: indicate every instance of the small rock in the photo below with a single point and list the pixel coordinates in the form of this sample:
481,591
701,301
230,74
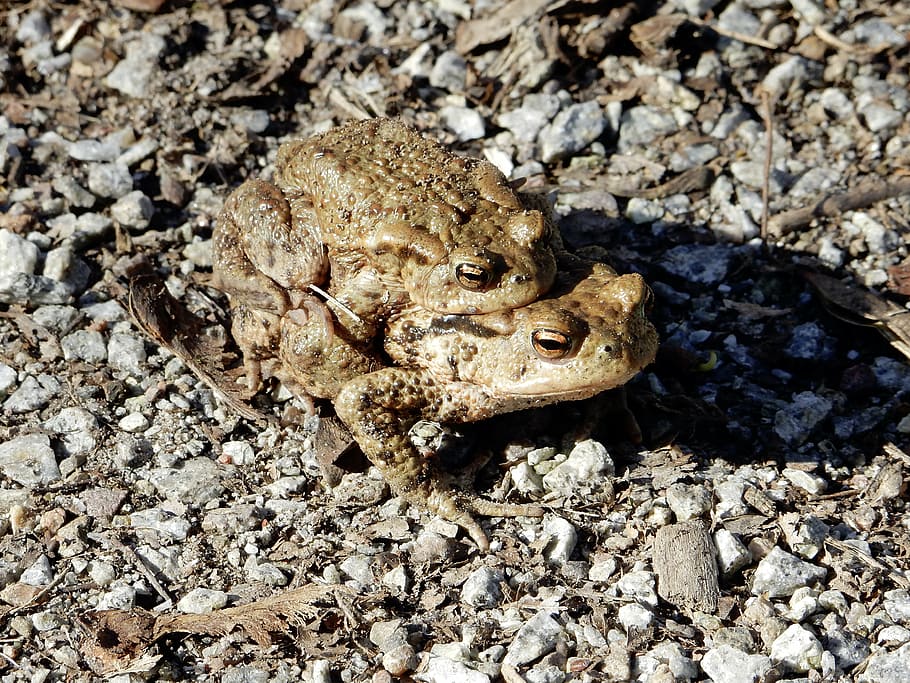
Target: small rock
642,124
809,341
74,427
32,394
359,568
134,423
127,352
39,573
602,570
202,601
806,480
17,254
449,72
732,554
526,122
482,588
797,649
534,639
132,75
795,422
438,669
779,574
688,501
8,378
887,667
466,123
668,657
561,540
265,572
726,664
84,345
641,211
524,477
33,290
29,460
251,120
573,129
94,150
897,605
165,523
133,210
240,452
587,460
704,264
195,481
634,617
33,28
639,586
111,180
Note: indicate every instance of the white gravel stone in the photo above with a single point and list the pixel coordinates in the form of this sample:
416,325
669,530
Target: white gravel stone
727,664
806,535
639,586
17,254
202,601
436,669
134,423
94,150
573,129
265,572
705,264
534,639
39,573
133,210
33,393
132,75
359,568
466,123
797,649
897,605
85,345
561,540
640,210
482,588
803,604
634,617
732,554
602,570
669,657
887,667
111,180
240,452
74,428
524,477
807,481
642,124
586,462
8,378
127,352
165,523
449,71
779,574
526,122
688,501
795,422
29,460
197,480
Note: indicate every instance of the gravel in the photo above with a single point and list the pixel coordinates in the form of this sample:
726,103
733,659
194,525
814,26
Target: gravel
127,484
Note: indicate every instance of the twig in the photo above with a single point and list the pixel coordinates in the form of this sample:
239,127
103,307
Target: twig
735,35
867,193
857,50
769,149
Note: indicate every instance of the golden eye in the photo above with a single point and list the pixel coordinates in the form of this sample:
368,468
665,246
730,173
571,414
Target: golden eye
473,276
551,344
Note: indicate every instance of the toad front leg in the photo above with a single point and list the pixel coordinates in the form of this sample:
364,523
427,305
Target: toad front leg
380,408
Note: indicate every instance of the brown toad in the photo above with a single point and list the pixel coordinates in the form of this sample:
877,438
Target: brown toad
588,335
395,217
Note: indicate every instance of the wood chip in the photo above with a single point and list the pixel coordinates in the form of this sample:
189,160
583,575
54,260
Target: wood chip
684,560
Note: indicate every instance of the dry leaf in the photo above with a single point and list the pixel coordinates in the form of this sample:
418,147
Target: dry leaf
497,26
172,326
860,306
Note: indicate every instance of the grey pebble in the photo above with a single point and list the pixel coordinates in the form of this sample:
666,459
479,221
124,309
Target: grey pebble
29,460
127,352
265,572
891,373
202,601
732,554
642,124
133,74
56,318
39,573
727,664
561,539
795,422
62,264
534,639
810,11
232,520
688,501
587,461
33,28
466,123
74,193
887,667
110,180
797,649
526,122
634,617
897,605
168,525
737,18
197,480
809,341
359,568
805,535
251,120
85,345
8,379
669,656
638,585
245,673
32,394
573,129
437,669
482,588
137,151
449,72
779,574
134,423
33,290
17,254
133,210
705,264
74,427
811,483
94,150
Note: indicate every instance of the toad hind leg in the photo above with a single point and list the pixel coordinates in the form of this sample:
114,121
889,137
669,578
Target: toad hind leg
379,409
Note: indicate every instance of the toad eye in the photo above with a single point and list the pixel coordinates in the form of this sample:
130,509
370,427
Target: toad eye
551,344
473,276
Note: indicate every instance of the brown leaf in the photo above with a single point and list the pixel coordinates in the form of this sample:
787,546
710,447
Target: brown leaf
498,25
172,326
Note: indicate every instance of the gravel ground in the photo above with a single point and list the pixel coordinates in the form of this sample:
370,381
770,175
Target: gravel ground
774,431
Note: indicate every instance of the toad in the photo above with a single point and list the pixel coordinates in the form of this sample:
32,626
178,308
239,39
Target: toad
393,219
588,335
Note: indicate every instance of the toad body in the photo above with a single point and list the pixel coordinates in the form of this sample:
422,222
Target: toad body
391,219
588,335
